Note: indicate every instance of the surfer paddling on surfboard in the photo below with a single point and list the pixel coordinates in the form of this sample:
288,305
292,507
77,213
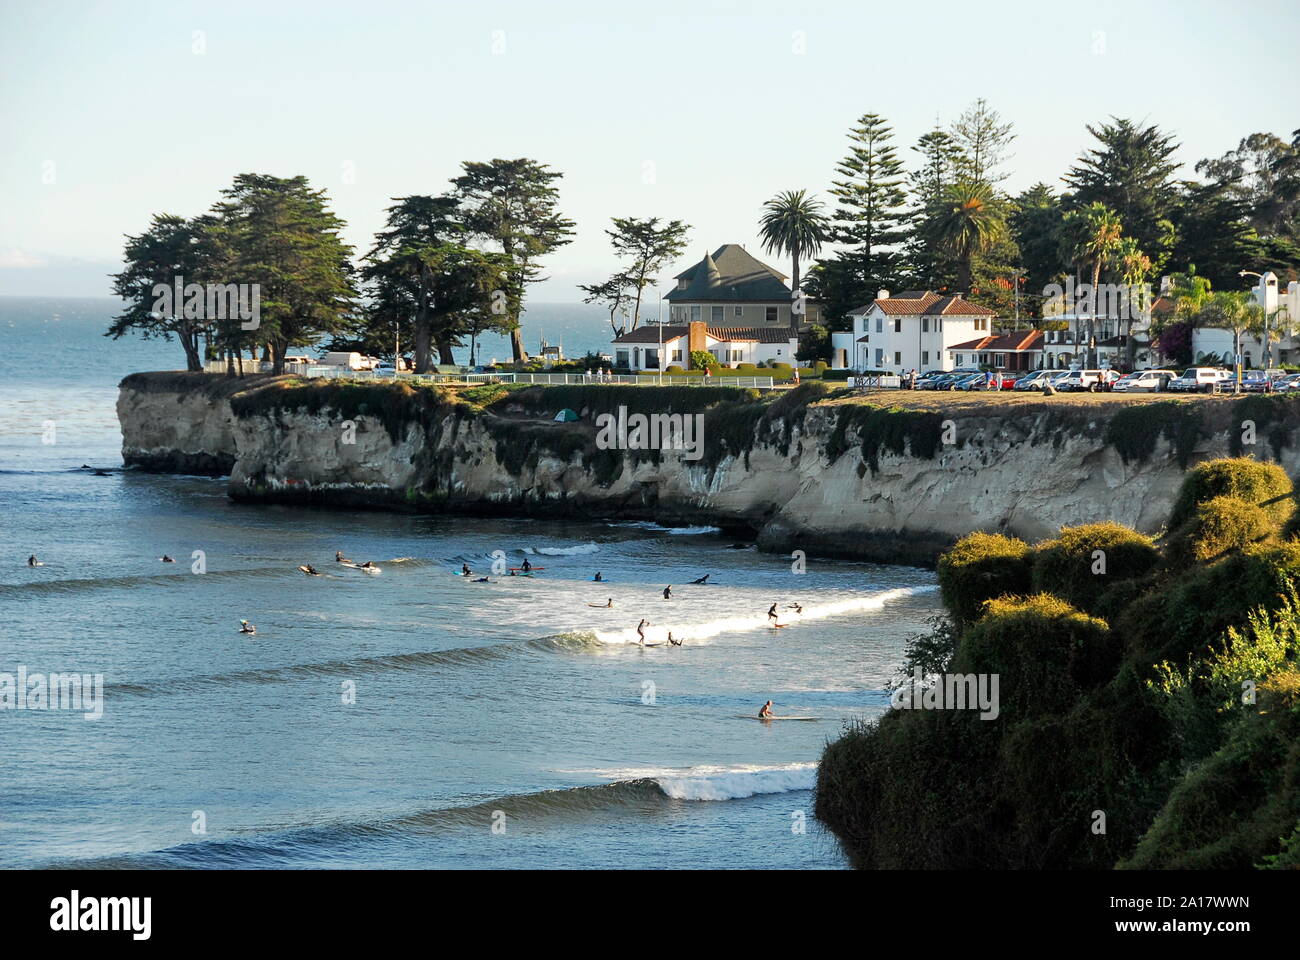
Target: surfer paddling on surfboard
308,569
703,579
339,558
246,627
607,605
766,712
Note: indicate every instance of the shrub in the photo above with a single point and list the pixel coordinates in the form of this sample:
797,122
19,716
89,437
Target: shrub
981,567
1070,566
1133,431
1044,651
703,360
1263,484
1218,526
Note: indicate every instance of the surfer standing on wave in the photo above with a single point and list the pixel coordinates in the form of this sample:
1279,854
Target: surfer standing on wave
640,631
771,615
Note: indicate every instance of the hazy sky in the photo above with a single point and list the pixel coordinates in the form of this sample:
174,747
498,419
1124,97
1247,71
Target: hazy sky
112,111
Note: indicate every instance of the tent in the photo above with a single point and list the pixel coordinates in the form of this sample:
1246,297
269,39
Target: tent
566,416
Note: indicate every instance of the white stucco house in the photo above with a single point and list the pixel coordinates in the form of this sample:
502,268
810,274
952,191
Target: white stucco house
1283,309
915,330
655,348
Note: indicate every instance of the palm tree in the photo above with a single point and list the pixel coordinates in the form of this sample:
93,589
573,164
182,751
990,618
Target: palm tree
969,223
1238,312
1134,267
1091,236
793,223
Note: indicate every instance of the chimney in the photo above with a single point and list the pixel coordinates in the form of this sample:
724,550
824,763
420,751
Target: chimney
695,337
882,295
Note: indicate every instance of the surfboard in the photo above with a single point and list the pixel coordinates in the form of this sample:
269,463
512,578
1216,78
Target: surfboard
529,570
751,716
357,566
660,644
309,573
600,606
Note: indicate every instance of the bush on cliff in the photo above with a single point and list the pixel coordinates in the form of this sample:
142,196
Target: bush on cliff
1218,526
1045,652
1264,484
980,567
1142,721
1083,563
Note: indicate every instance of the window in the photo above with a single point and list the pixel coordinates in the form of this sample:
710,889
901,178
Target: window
771,316
715,315
981,323
999,360
738,312
898,324
925,358
880,324
925,324
956,358
620,358
677,355
880,356
695,313
898,359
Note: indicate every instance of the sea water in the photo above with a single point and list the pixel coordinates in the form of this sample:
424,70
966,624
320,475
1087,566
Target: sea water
408,719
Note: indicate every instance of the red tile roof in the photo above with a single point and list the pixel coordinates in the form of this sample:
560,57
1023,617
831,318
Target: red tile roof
917,303
1021,342
650,334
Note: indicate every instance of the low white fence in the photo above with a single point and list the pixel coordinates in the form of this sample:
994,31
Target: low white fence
645,380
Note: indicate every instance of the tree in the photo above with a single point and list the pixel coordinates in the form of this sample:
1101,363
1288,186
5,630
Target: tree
982,139
279,234
929,265
970,223
650,246
1214,232
871,214
1134,270
401,266
793,224
171,248
1090,238
1132,174
614,294
1035,219
1235,311
513,203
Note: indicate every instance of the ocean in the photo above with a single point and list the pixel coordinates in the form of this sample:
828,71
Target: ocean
411,719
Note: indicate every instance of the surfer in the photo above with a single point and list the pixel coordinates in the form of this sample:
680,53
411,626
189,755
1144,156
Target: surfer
797,609
465,570
308,569
368,565
668,592
339,558
671,641
703,579
771,614
246,627
597,578
766,712
481,580
640,631
167,559
32,561
607,605
527,567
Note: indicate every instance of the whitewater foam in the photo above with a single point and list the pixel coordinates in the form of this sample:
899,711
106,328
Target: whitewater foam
710,782
579,550
697,632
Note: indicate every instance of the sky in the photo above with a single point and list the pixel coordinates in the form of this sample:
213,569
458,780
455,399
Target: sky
113,111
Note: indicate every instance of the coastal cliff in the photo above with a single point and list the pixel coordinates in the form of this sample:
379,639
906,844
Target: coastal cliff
819,469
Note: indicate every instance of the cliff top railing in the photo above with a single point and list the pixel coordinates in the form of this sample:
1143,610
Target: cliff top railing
326,371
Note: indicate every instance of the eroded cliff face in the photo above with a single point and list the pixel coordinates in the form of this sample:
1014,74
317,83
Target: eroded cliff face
1005,471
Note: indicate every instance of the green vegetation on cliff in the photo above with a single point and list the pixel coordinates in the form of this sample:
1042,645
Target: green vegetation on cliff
1149,700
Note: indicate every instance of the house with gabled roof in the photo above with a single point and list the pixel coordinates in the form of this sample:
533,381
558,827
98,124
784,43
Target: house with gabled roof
731,288
915,330
655,348
1020,350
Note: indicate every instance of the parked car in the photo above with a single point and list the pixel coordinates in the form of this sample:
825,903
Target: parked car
1287,383
931,379
1034,380
1253,381
1090,381
1198,380
1144,381
969,381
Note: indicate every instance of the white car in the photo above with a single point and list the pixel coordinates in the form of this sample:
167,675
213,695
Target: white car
1199,380
1144,381
1089,380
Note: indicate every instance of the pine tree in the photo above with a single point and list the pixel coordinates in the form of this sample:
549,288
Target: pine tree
871,214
